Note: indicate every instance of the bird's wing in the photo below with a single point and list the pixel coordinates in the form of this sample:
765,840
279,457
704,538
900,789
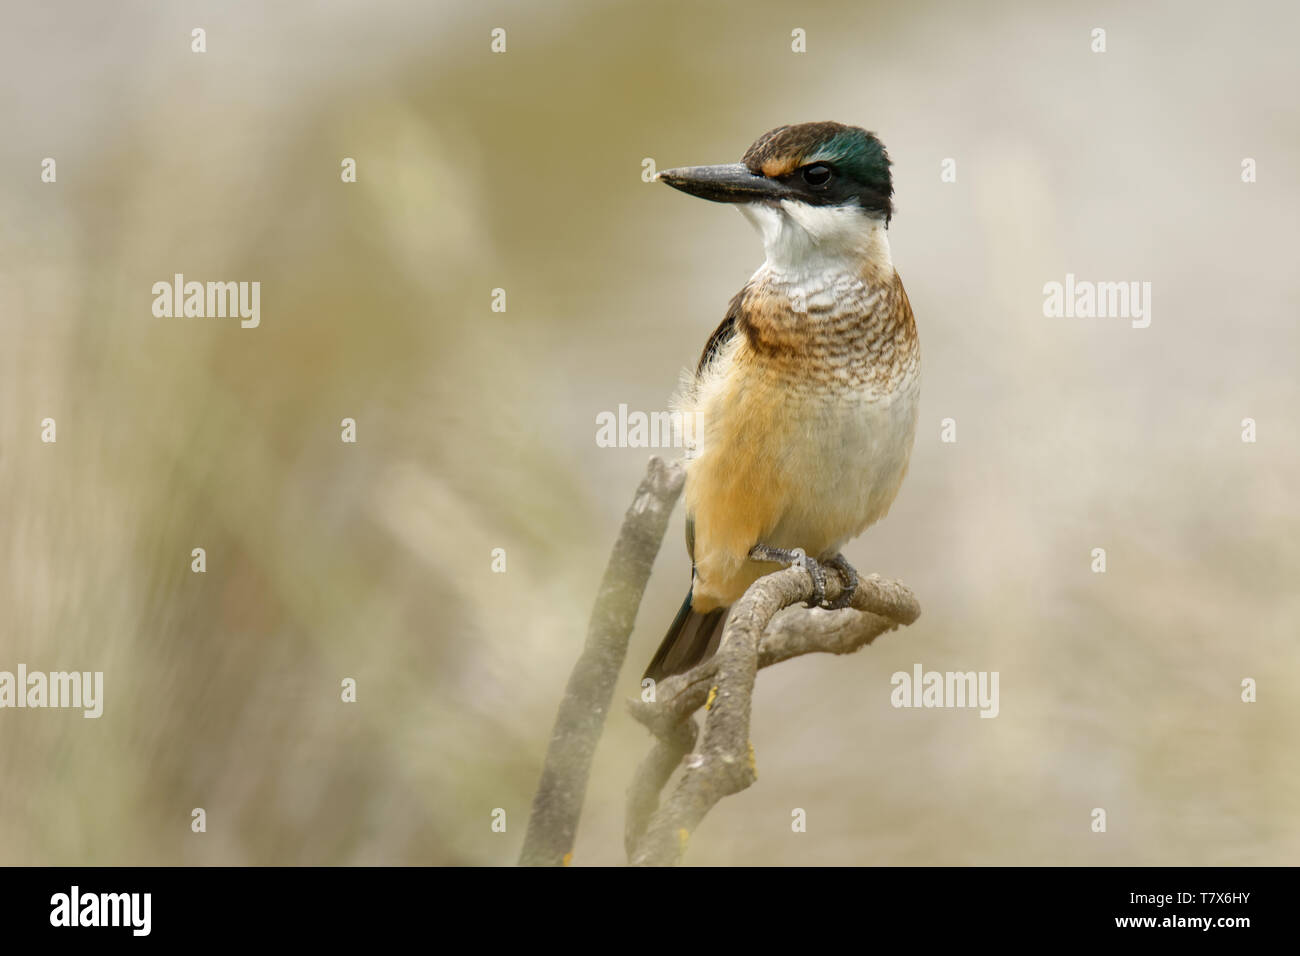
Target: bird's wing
723,334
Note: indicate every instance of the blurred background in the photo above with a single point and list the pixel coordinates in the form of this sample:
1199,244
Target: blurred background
476,429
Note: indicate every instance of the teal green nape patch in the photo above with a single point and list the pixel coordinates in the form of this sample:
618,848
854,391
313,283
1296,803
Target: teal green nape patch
858,153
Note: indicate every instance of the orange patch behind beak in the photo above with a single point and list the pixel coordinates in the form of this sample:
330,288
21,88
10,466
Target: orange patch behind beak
779,166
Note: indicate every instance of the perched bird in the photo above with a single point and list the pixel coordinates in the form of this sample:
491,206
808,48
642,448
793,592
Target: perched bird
805,398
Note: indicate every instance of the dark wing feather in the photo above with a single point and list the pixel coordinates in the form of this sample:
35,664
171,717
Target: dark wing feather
723,334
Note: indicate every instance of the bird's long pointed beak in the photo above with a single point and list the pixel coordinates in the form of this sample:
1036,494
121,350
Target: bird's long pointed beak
730,183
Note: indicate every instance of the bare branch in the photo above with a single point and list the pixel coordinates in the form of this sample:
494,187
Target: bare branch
762,629
557,805
652,776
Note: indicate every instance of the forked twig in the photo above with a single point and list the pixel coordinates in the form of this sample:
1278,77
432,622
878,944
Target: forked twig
759,633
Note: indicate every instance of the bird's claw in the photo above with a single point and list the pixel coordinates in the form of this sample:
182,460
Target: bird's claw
818,574
797,557
849,575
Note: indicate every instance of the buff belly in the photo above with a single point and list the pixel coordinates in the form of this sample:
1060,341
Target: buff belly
789,468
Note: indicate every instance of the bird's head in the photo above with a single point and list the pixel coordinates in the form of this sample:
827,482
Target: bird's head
814,188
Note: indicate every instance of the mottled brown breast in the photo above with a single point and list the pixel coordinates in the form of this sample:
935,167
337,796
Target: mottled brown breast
844,333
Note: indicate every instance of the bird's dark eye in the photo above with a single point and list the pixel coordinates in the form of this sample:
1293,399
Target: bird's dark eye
818,174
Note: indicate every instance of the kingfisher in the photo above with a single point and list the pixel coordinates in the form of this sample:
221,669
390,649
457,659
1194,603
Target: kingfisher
805,398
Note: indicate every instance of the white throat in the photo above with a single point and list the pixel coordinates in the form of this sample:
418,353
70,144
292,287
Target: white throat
803,240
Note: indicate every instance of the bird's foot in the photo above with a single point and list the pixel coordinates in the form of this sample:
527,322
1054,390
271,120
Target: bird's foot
849,575
817,570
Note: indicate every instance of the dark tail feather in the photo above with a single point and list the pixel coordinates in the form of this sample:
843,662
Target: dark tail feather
690,639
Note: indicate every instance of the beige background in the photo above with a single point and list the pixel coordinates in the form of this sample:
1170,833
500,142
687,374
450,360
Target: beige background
477,429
